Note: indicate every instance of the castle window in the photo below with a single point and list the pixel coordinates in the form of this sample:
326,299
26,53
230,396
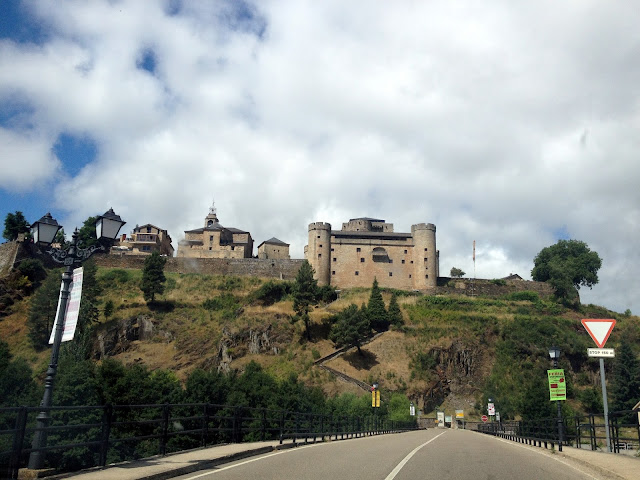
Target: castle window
232,247
391,274
426,276
209,248
403,261
411,262
405,252
425,259
357,273
357,249
320,245
335,259
332,249
380,255
148,229
333,272
409,275
425,249
319,255
211,238
319,237
362,260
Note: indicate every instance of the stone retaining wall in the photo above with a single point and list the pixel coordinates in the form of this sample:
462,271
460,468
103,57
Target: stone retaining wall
284,269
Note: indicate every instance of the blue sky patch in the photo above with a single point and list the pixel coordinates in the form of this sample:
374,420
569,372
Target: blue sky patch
561,233
17,24
74,152
244,17
147,61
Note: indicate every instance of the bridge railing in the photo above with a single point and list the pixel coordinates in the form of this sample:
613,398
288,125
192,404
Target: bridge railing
89,436
580,431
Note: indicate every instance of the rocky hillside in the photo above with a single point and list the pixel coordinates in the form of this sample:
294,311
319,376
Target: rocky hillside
452,352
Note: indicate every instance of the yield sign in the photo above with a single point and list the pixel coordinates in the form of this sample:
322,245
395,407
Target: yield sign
599,329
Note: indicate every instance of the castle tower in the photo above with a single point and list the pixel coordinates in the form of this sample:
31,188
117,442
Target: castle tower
211,220
319,251
425,255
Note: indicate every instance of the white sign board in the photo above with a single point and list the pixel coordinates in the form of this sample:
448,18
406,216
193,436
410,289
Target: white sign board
497,416
601,352
491,409
72,310
412,410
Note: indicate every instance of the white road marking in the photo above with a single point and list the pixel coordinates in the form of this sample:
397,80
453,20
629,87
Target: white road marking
542,452
396,470
262,457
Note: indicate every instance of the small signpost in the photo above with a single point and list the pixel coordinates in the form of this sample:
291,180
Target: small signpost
599,330
485,419
491,409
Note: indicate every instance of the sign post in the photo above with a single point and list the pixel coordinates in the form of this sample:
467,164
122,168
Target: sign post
599,330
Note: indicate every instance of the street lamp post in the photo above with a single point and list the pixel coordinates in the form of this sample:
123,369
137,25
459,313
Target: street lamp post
43,232
554,353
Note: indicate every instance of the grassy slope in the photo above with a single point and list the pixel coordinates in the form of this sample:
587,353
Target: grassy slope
187,335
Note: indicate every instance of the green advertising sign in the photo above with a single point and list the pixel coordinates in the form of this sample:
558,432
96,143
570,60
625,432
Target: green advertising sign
557,385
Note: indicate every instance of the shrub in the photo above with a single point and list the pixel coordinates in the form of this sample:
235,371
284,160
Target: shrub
225,301
33,270
526,295
326,294
499,281
272,292
115,276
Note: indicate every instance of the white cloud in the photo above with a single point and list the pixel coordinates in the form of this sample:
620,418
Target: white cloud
502,123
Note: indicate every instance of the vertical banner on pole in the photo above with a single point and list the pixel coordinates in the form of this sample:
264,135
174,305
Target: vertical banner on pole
73,308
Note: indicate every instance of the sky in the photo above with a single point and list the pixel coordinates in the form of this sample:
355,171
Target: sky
511,123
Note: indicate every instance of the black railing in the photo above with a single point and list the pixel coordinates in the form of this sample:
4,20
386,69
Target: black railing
580,431
90,436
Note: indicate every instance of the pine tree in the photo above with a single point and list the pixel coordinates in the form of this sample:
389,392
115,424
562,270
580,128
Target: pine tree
376,311
153,278
14,224
304,294
42,311
625,390
351,328
395,314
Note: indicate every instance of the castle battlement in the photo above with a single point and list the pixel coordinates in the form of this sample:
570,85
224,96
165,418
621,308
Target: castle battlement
423,226
320,226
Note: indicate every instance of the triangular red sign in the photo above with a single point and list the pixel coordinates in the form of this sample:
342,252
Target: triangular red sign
599,329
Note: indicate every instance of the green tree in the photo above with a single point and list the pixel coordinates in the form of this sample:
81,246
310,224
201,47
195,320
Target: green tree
395,314
16,384
304,294
456,273
351,328
625,391
566,266
153,278
14,224
87,233
376,311
42,311
61,238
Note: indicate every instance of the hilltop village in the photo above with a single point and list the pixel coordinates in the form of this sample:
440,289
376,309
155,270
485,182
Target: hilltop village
363,249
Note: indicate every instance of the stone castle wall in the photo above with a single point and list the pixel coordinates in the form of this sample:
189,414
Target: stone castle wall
268,268
8,252
482,287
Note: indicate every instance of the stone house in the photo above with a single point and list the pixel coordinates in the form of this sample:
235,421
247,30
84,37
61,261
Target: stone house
144,240
273,249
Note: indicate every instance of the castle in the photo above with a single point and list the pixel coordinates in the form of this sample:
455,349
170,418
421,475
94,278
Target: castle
368,248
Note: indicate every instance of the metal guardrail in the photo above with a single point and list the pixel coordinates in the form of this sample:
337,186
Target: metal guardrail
89,436
581,431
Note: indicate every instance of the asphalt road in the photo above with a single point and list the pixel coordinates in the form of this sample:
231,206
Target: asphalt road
424,454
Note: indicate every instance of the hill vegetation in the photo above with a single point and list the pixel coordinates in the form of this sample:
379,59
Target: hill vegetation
449,352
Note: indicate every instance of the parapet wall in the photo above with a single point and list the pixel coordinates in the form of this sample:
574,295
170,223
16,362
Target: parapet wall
489,288
285,269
